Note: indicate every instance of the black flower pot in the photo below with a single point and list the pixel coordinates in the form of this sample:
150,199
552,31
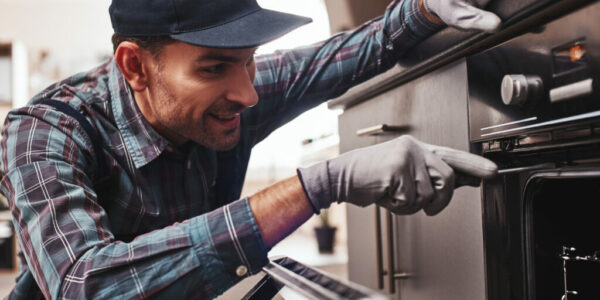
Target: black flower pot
325,238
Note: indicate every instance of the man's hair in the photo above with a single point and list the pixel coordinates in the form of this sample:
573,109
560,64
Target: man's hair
152,44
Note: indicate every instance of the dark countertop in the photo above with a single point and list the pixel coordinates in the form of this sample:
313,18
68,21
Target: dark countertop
450,45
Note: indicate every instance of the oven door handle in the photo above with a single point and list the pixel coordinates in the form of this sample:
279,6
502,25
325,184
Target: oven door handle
527,168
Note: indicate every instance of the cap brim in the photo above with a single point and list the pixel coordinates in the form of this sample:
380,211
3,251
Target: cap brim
249,31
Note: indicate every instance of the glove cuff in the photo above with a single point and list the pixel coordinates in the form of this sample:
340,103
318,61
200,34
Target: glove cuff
428,14
315,182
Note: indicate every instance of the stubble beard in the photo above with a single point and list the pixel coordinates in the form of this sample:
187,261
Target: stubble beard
196,131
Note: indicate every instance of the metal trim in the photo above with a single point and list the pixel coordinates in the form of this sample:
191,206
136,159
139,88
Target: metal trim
547,123
509,123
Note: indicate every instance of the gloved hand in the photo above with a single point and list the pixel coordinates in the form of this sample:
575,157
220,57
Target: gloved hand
464,14
403,175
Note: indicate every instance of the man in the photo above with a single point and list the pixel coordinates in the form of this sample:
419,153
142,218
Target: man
178,109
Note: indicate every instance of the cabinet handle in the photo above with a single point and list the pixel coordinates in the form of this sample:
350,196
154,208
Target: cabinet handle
378,248
390,253
392,275
382,129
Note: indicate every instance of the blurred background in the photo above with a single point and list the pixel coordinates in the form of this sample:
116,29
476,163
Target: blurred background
44,41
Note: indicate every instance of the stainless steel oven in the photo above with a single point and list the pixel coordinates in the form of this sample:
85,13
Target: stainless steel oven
534,107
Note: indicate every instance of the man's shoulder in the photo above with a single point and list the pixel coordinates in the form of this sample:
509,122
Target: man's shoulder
85,89
86,92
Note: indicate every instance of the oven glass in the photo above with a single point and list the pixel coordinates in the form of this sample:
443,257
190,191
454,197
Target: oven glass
563,213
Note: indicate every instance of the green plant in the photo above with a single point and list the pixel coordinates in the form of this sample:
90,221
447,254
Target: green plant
324,216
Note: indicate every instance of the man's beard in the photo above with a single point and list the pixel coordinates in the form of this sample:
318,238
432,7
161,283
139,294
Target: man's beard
198,131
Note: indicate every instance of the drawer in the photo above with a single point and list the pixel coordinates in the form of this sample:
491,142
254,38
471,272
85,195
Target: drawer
432,108
392,108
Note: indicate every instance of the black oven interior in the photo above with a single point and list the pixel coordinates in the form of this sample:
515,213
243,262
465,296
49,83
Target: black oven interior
537,222
561,235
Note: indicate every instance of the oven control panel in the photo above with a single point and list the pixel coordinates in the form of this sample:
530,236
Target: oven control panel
545,79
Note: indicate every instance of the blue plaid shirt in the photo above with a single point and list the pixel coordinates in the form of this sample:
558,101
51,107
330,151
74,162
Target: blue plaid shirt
194,237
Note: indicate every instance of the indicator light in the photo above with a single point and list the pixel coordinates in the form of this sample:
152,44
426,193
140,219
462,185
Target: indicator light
577,52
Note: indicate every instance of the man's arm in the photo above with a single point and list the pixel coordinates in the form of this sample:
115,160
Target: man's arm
292,81
414,176
280,209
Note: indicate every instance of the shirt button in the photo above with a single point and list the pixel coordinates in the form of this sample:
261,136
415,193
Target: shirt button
170,149
241,271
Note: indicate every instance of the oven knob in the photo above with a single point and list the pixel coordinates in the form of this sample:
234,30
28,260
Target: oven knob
517,89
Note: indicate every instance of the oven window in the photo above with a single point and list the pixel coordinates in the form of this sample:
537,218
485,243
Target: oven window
563,213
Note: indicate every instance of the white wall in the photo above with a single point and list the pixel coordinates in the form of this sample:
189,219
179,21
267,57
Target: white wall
64,25
60,38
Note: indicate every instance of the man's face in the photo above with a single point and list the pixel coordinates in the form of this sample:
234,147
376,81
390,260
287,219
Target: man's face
196,93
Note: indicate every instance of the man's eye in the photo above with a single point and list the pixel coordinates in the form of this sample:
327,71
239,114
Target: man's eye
216,69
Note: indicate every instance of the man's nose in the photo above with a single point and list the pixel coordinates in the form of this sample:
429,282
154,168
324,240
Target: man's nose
241,89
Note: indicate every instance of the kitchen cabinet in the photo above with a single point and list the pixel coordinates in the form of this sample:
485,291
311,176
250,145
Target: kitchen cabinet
425,95
443,254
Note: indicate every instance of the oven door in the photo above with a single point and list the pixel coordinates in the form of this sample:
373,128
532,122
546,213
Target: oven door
540,227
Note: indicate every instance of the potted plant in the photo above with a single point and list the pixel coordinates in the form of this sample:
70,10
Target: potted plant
325,233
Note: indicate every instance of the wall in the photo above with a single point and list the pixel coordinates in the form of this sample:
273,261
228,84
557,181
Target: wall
58,37
58,25
348,14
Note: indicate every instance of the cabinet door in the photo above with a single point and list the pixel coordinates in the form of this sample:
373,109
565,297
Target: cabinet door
390,109
444,253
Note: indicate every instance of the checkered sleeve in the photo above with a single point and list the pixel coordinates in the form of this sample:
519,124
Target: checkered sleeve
293,81
66,238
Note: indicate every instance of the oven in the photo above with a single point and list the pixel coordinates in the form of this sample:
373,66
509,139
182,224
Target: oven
534,108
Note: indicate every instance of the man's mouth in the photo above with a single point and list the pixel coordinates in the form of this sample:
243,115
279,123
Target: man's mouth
228,121
227,117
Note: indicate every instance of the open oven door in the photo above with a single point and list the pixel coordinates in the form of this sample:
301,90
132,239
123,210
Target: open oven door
562,245
286,278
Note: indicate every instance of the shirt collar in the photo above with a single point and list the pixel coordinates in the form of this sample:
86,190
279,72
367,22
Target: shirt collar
143,143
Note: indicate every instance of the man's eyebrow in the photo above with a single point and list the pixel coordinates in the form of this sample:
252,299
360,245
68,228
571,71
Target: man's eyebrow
221,57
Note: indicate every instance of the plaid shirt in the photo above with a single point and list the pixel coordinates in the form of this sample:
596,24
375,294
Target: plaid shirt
194,237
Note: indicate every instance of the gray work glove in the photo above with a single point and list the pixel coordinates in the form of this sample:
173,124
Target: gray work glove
403,175
464,14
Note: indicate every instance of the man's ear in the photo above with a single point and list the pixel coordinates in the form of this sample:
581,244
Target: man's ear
131,58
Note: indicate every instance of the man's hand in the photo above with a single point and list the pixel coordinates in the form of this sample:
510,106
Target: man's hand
462,14
403,175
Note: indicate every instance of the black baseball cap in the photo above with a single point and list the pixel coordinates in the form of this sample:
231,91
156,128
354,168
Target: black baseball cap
207,23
